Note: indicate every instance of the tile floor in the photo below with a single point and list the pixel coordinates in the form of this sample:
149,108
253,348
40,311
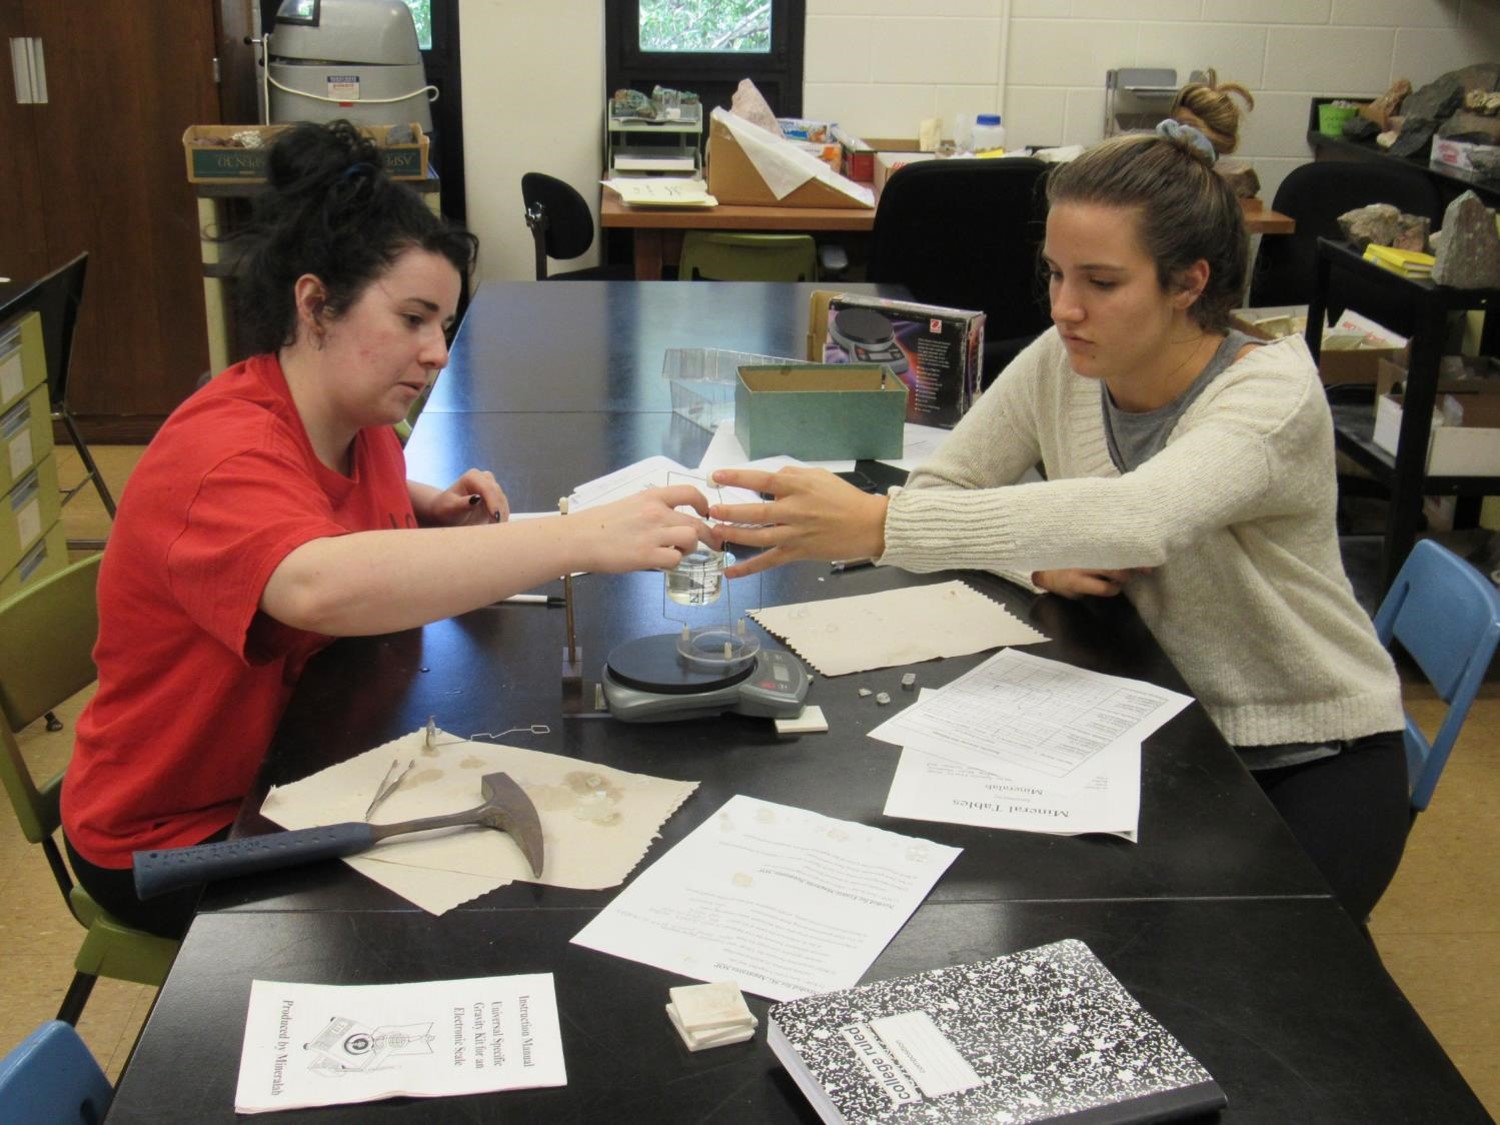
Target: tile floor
1438,928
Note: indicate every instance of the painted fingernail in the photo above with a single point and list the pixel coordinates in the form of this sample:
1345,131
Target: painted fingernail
474,499
499,517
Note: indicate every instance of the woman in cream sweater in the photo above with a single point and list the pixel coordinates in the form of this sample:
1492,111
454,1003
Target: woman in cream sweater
1186,466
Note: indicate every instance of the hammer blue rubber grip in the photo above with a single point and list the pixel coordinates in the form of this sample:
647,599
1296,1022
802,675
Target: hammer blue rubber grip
157,872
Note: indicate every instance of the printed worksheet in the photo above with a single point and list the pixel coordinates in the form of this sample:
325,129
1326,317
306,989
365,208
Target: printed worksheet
783,901
1022,711
336,1044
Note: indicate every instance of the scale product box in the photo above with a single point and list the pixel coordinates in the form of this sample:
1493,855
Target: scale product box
935,351
211,160
820,411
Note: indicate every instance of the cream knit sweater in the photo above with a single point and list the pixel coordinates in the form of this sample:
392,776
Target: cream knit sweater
1236,516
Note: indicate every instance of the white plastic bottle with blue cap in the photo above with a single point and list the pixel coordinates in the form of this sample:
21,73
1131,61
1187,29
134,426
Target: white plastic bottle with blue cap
989,133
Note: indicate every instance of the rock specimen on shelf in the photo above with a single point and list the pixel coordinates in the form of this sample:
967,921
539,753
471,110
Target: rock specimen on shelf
1240,176
1468,255
1384,225
1379,112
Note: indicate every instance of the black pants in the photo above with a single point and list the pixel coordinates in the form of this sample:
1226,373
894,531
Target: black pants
1350,813
165,915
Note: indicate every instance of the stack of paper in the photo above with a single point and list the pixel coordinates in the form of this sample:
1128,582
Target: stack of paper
1030,744
661,191
1408,263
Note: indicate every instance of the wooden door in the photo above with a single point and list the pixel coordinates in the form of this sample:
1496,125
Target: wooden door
124,79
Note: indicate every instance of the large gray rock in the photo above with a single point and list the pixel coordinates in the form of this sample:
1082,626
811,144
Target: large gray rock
1437,100
1468,255
1479,76
1416,135
1466,126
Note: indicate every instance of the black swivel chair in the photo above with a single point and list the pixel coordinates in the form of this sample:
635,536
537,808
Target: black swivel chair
563,228
966,233
1285,270
1315,195
58,297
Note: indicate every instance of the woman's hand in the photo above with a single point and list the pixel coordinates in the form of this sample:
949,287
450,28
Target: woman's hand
813,515
642,532
475,498
1080,583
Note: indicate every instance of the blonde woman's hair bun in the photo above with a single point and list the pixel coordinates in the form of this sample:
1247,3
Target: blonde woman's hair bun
1209,107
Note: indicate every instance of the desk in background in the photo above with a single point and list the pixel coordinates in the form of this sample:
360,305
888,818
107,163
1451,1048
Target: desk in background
1215,920
657,231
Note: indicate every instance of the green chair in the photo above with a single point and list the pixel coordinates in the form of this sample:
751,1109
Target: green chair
405,426
47,633
736,256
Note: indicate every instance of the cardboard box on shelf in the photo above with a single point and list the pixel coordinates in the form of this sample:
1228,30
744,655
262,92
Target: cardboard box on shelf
934,351
820,412
1456,375
213,163
734,179
1465,437
888,163
1353,349
1459,157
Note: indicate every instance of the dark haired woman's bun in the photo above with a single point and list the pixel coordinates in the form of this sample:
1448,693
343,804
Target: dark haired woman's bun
1208,107
310,156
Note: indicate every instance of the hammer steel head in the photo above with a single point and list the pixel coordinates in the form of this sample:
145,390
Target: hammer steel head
508,808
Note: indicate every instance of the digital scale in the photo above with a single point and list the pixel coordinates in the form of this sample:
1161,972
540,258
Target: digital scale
867,337
654,680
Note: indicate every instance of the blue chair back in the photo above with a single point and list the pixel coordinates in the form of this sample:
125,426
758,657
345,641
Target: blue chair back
1446,615
51,1079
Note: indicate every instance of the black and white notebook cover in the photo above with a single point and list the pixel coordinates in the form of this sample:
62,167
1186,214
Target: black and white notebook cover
1046,1034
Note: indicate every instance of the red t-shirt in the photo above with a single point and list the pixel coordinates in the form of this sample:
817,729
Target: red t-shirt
193,679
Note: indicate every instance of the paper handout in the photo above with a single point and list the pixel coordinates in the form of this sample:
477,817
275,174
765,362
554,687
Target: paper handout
332,1044
597,822
1020,710
933,787
783,901
927,787
841,635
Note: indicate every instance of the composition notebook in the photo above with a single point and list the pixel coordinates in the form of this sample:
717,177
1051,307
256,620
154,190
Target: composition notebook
1046,1034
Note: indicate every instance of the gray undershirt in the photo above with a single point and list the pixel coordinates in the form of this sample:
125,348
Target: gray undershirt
1134,438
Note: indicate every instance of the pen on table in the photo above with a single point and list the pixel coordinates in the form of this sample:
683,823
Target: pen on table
531,599
838,566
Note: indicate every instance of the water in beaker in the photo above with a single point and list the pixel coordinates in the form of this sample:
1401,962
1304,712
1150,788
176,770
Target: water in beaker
698,578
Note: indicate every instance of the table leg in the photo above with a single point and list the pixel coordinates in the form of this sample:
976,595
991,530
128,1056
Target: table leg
647,248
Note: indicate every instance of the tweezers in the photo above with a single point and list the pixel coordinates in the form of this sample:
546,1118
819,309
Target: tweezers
388,784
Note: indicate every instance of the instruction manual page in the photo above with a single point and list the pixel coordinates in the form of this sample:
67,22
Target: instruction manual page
332,1044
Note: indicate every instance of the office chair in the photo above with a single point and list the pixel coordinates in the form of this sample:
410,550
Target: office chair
58,297
49,1078
562,227
47,633
738,256
966,233
1315,195
1446,615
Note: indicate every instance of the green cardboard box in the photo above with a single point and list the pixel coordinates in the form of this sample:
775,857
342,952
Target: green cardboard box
820,411
209,162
